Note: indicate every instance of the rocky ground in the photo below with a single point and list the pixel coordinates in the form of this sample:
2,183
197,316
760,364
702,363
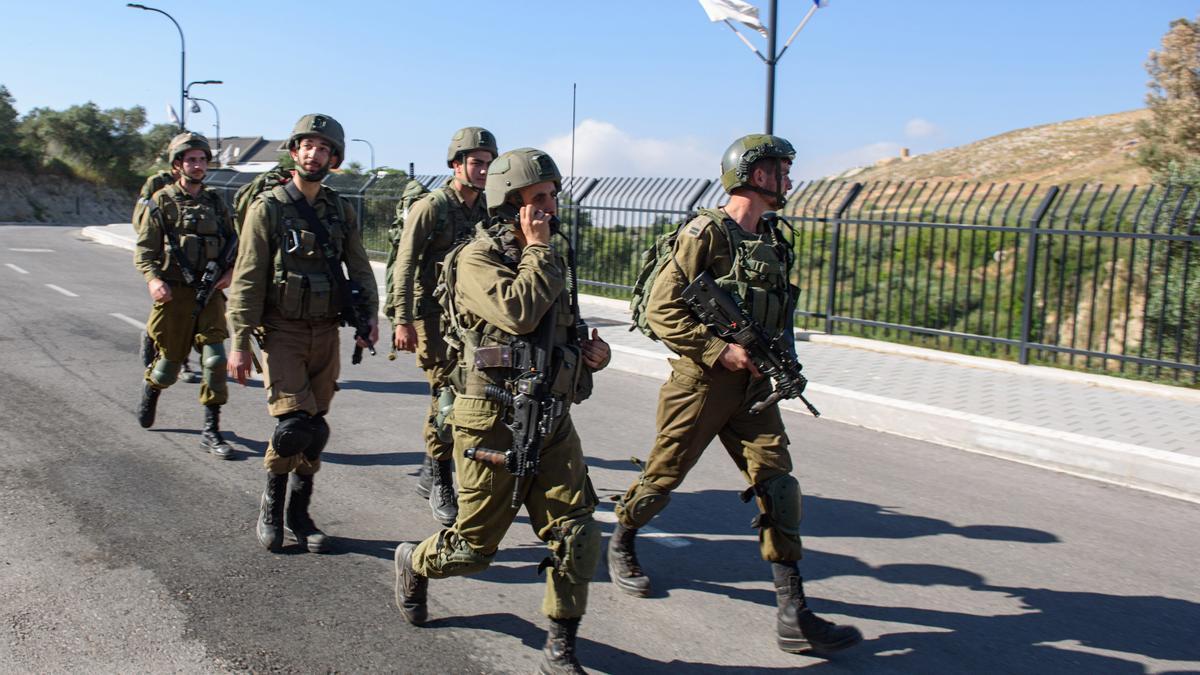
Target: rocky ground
30,198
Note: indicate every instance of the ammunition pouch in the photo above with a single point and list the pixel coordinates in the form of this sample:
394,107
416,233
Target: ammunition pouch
306,296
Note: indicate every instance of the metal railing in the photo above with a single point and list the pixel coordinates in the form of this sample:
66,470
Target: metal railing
1095,278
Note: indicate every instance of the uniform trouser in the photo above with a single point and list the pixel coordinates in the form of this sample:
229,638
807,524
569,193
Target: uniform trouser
431,357
558,499
175,333
694,406
300,370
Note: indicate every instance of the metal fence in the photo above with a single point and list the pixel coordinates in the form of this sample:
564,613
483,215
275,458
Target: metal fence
1099,278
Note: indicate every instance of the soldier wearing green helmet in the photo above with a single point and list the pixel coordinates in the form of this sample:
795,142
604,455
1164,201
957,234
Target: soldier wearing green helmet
300,241
182,229
507,289
713,383
434,224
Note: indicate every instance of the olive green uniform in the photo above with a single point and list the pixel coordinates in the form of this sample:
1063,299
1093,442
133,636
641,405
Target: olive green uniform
702,400
502,292
434,224
201,226
282,284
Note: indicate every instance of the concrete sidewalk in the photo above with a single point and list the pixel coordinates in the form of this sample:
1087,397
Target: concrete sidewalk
1136,434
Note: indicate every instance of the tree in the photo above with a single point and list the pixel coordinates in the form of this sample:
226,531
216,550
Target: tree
1173,132
154,151
10,140
102,145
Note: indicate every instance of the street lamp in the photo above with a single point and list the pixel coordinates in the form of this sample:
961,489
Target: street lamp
751,19
187,91
196,109
182,58
359,140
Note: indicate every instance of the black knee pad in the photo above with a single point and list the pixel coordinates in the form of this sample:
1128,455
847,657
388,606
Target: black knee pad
320,436
293,433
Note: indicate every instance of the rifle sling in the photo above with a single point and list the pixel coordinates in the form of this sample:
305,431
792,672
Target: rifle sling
173,247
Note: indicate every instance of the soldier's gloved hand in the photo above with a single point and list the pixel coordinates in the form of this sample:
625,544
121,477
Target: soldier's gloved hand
735,358
405,338
595,351
374,336
239,366
159,291
535,225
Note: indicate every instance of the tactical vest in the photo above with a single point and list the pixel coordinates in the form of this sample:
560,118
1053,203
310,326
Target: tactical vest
301,285
482,352
760,274
198,225
455,224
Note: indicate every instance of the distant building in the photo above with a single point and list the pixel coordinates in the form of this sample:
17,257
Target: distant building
250,154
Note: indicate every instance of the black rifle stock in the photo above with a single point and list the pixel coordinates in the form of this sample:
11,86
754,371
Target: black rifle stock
206,285
532,409
359,316
721,311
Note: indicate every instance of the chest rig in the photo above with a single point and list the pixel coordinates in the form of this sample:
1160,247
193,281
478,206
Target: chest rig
302,288
197,224
487,356
759,274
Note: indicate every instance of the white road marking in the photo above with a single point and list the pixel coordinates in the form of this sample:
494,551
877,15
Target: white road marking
62,290
32,250
14,268
132,322
652,533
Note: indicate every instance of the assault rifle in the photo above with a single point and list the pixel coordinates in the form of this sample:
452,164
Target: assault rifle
722,312
206,285
532,409
359,316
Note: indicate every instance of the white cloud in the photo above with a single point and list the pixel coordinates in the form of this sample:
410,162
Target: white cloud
601,149
920,128
809,168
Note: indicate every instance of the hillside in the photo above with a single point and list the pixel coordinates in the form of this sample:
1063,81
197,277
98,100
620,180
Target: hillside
48,198
1089,150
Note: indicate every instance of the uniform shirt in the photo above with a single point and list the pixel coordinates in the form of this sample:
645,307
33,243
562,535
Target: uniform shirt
424,242
253,274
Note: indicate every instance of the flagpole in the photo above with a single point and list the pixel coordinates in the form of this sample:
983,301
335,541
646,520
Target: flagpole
772,29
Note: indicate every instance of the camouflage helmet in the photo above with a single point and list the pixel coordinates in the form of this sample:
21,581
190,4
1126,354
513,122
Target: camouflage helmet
744,152
469,139
323,126
187,141
516,169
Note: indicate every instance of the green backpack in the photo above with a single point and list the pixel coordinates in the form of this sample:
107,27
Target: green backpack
153,184
263,182
414,191
654,259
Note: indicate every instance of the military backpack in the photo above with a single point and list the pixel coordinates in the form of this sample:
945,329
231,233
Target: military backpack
245,195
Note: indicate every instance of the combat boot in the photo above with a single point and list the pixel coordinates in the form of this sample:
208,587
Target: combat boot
799,629
147,351
210,437
425,478
442,500
190,376
623,565
558,656
149,405
298,522
270,512
411,588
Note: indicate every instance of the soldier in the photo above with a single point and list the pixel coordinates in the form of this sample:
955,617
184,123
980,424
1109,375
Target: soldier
289,283
434,224
180,230
714,382
507,291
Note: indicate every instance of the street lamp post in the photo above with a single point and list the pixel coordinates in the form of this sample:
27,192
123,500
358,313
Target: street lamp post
187,91
182,59
217,113
359,140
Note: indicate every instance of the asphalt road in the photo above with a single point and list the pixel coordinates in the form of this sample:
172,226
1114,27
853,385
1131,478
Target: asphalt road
129,550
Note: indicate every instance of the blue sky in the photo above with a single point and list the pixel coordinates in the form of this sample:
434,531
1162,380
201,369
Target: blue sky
662,91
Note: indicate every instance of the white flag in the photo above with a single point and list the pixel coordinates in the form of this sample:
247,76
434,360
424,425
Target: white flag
171,114
742,12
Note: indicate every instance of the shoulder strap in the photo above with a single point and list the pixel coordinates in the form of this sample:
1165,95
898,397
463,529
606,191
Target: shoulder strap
173,247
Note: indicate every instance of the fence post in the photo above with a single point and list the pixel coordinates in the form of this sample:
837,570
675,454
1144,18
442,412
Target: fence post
830,298
1031,273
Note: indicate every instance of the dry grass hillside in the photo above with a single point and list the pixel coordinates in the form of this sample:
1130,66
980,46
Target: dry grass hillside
1090,150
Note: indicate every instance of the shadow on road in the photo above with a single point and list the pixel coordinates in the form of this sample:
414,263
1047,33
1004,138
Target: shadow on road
400,387
373,458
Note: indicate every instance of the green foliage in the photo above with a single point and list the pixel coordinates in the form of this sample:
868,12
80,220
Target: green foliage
10,140
154,153
1173,132
101,145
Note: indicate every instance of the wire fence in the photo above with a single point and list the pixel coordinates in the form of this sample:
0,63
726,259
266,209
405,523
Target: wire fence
1091,277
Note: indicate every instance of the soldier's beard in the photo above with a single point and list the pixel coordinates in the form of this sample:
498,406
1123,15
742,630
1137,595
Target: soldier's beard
193,180
313,176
